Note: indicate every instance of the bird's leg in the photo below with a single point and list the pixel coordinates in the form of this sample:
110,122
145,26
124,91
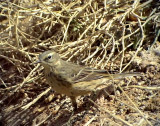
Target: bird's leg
74,103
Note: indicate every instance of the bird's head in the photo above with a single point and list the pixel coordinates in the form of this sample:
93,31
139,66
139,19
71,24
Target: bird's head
49,58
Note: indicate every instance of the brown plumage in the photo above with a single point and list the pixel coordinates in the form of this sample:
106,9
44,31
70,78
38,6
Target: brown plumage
74,80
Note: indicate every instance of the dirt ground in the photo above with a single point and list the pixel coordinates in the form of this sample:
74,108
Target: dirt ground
117,36
130,102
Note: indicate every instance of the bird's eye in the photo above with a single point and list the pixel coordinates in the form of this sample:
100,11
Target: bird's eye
49,57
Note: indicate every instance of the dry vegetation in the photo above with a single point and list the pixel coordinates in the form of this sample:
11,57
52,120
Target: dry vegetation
114,35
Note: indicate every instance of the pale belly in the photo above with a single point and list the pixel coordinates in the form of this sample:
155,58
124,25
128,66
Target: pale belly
68,90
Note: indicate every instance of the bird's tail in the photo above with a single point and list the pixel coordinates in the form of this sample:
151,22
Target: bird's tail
123,75
84,87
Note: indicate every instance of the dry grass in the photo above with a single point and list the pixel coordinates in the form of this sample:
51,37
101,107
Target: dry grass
101,34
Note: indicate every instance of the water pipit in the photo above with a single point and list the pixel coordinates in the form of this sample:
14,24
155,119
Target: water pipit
74,80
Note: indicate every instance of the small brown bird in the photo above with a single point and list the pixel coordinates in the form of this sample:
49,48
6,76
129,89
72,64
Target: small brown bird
74,80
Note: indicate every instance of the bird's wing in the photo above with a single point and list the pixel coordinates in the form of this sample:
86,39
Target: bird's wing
76,73
88,74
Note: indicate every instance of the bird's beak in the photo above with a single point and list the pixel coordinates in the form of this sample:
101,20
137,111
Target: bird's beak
38,61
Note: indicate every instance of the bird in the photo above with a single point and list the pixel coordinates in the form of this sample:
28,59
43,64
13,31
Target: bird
72,79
